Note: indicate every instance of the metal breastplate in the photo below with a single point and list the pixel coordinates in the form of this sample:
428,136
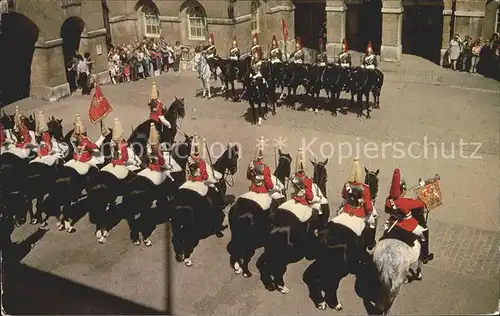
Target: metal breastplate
194,168
299,187
355,196
117,153
256,67
234,52
369,60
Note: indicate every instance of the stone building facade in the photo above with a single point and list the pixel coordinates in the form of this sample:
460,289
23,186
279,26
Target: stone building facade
390,25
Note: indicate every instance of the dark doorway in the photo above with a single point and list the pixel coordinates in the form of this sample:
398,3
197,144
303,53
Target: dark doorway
364,24
71,32
310,19
17,44
423,31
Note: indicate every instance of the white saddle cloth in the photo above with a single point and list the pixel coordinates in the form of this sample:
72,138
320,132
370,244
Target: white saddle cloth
81,167
275,61
303,212
298,61
196,186
322,64
174,166
22,153
120,172
356,224
263,199
48,160
344,65
213,175
318,196
157,177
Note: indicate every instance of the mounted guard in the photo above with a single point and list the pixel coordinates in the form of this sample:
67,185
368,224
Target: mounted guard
255,45
344,58
256,64
85,148
197,167
408,214
369,59
119,152
298,55
21,130
211,52
275,55
321,57
357,202
259,173
234,52
156,108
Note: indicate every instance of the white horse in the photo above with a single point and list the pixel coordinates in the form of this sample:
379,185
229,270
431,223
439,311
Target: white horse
201,65
393,259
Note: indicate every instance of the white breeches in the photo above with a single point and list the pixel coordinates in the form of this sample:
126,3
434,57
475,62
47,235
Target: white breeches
368,67
233,58
94,161
419,231
298,61
275,60
259,75
210,56
344,65
322,64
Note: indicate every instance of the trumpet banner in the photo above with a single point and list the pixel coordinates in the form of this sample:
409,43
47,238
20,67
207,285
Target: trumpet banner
99,107
430,194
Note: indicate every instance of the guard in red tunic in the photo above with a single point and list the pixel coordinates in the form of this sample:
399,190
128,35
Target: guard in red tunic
45,147
196,165
85,148
120,146
156,107
21,130
302,184
358,202
260,173
157,161
403,210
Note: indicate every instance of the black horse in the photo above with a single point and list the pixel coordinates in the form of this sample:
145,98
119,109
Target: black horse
334,80
231,71
198,216
249,222
363,81
278,76
313,84
294,77
257,93
340,253
289,241
140,135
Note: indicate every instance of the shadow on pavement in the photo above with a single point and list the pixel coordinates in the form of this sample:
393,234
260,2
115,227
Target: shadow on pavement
28,291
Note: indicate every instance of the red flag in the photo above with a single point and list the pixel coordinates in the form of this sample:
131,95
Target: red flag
99,107
285,29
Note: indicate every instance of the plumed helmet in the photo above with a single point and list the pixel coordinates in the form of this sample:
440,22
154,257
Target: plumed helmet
154,92
78,125
41,124
256,39
153,135
369,47
195,145
345,45
118,134
259,153
298,42
321,46
356,174
211,39
274,42
235,41
18,117
300,164
395,190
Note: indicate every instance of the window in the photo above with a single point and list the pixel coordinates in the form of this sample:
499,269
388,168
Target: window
497,23
151,22
197,23
255,16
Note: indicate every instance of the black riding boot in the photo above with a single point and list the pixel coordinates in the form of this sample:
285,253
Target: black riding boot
370,238
425,256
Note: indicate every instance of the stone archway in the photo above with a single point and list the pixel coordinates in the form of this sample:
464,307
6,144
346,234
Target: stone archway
364,24
17,42
422,30
71,33
310,20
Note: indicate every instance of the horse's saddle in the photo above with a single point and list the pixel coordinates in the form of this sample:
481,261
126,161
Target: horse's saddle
262,199
303,212
157,177
81,167
213,175
354,223
22,153
197,186
120,172
317,194
48,160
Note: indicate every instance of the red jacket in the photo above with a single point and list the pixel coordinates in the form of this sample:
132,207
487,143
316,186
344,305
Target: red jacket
367,208
268,182
202,167
158,162
25,137
46,148
123,156
3,138
404,206
308,193
85,148
157,112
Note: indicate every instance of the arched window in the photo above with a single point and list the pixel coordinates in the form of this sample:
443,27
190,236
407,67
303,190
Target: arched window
197,23
255,16
151,21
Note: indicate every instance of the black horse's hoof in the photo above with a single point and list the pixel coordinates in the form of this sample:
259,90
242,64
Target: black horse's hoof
179,257
274,112
430,257
247,274
270,287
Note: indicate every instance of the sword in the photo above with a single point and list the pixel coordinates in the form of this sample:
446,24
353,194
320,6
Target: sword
209,157
275,159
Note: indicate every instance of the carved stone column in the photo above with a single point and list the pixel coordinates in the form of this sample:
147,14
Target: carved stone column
447,20
392,25
277,10
336,12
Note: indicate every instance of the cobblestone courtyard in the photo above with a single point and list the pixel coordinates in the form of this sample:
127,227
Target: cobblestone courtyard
420,103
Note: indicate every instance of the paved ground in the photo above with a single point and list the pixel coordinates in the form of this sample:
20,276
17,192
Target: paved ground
420,103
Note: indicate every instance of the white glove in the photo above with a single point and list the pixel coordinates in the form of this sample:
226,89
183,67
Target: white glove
99,141
316,199
164,121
